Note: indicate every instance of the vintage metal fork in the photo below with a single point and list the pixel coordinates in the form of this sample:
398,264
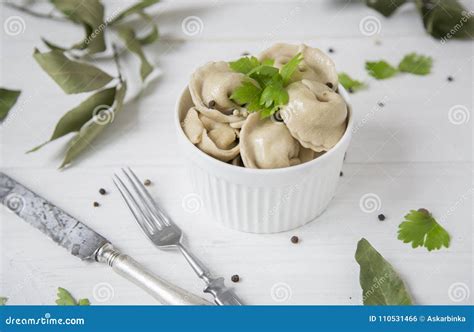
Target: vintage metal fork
165,234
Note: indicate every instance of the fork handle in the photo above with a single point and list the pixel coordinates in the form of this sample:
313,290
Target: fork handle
162,290
215,286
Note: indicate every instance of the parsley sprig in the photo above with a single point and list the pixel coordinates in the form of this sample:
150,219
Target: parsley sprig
65,298
422,230
270,93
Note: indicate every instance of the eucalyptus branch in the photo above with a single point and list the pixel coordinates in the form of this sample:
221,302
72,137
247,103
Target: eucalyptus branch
34,13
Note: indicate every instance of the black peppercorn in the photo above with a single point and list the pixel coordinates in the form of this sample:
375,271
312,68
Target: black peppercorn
294,239
147,182
331,50
381,217
425,211
96,204
450,78
340,173
102,191
235,278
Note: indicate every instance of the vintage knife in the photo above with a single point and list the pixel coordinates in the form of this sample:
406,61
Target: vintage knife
85,243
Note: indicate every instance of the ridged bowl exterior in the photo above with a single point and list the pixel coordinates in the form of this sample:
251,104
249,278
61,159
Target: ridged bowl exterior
263,200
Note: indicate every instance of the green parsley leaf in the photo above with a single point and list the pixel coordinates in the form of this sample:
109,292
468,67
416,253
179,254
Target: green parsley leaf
273,95
268,62
247,94
65,298
244,65
416,64
83,302
267,112
288,69
3,300
422,230
264,74
270,92
349,83
380,69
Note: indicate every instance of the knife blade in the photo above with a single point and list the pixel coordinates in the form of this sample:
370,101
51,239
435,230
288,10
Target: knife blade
83,242
62,228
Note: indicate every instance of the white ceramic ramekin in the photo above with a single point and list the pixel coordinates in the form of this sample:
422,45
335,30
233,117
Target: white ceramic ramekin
263,200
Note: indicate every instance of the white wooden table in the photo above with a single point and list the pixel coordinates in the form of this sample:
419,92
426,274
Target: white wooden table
411,153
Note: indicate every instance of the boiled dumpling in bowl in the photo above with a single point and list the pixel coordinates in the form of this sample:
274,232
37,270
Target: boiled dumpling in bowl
266,143
315,115
316,65
211,87
217,139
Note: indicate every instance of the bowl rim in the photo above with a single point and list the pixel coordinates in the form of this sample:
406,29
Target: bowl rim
345,139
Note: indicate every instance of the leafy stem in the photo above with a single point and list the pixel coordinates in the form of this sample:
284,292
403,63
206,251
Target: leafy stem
28,11
117,62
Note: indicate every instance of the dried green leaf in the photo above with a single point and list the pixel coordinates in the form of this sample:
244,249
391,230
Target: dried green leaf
446,19
385,7
71,76
53,46
128,36
381,285
91,129
8,99
152,35
90,14
136,8
64,297
3,300
74,119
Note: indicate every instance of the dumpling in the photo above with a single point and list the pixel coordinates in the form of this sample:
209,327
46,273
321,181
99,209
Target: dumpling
265,143
315,115
315,66
218,140
211,87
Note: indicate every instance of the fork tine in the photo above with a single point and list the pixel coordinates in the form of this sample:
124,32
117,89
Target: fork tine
151,203
148,228
148,207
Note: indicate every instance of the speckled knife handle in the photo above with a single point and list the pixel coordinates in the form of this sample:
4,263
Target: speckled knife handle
162,290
